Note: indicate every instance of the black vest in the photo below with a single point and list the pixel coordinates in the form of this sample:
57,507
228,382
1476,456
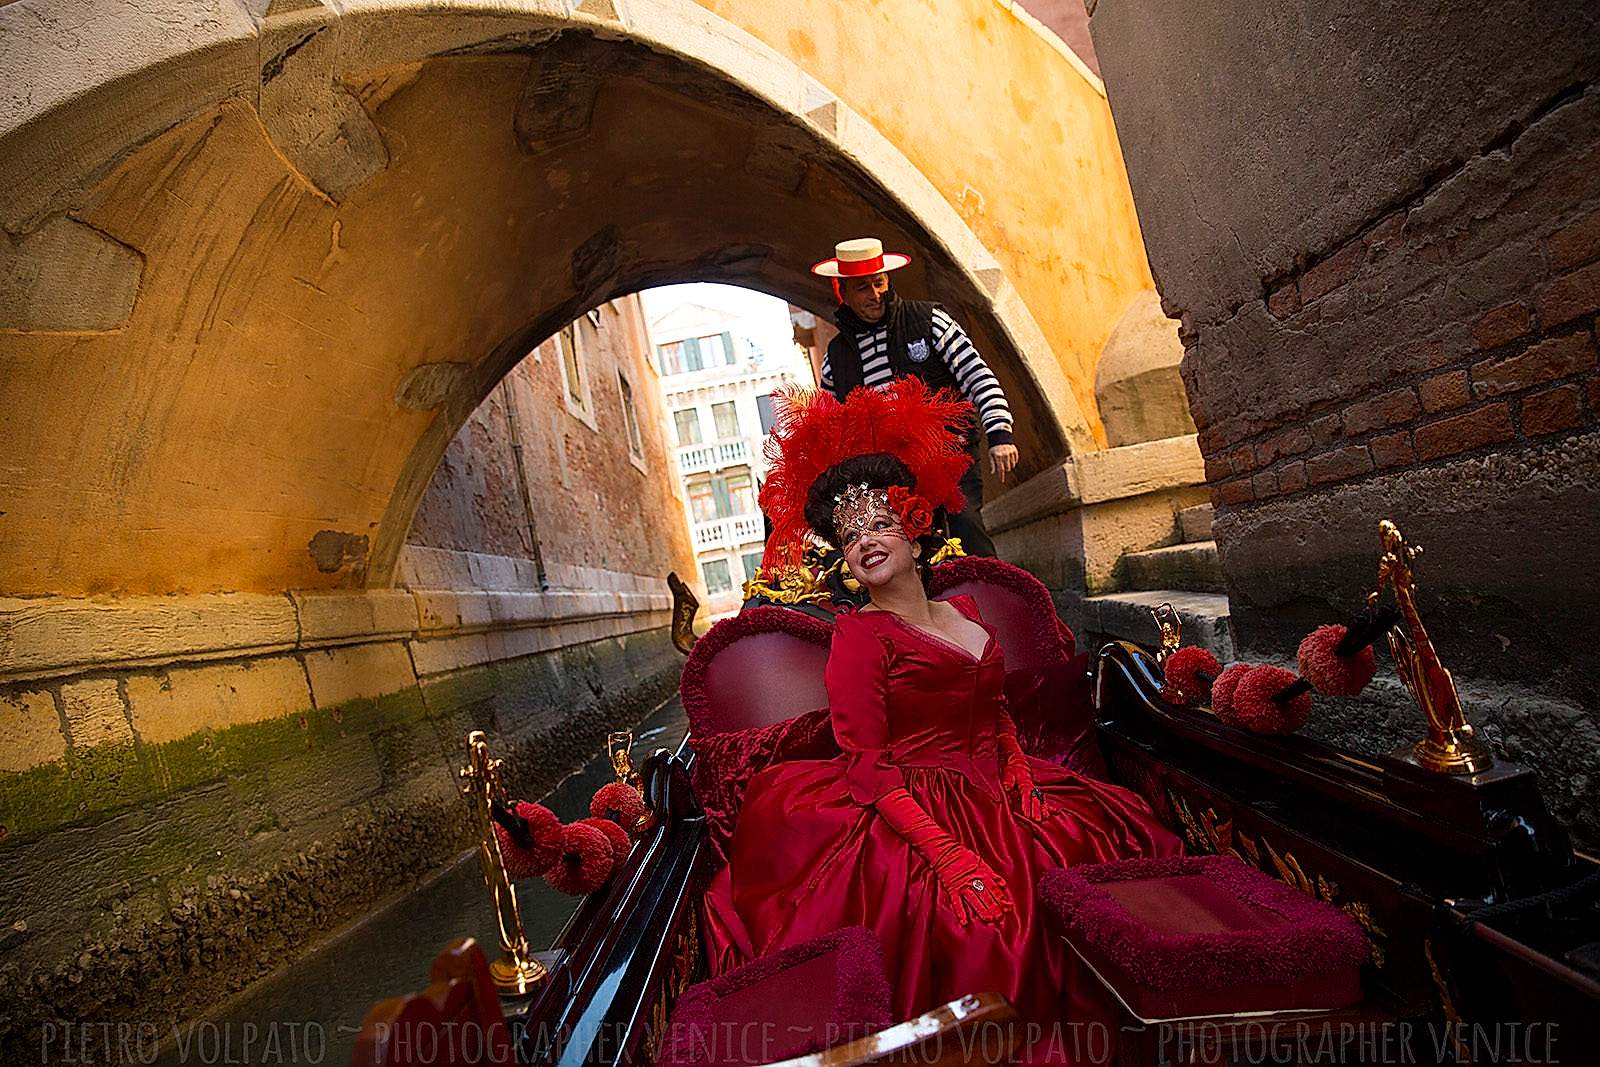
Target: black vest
910,334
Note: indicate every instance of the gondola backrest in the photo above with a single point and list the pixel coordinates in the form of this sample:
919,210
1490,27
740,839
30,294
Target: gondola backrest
760,667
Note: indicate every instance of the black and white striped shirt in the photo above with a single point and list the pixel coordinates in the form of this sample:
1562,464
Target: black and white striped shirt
951,344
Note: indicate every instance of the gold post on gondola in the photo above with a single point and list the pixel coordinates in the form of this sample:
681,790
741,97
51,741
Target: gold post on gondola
515,972
1450,746
1171,626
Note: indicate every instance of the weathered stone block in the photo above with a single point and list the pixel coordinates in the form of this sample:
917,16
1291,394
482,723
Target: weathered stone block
173,704
53,634
355,672
96,714
31,730
66,276
368,613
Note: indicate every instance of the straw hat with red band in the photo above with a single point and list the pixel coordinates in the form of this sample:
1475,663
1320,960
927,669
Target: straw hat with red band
859,258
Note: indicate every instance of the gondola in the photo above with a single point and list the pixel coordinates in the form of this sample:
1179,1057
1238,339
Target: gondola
1480,922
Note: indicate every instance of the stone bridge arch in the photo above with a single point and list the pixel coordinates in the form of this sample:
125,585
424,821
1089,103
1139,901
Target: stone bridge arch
263,263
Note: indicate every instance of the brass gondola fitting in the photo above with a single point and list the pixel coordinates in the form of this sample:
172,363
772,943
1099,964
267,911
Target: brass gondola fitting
684,606
515,971
1171,627
619,746
1450,746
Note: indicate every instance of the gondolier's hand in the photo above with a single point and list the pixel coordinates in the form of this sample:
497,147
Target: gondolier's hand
976,892
1002,460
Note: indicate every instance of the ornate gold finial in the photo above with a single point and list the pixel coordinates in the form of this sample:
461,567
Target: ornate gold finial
619,743
1171,627
684,605
1450,746
515,972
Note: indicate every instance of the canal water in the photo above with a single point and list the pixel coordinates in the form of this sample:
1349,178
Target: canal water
318,1002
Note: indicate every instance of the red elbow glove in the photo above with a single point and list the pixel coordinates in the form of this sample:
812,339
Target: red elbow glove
975,889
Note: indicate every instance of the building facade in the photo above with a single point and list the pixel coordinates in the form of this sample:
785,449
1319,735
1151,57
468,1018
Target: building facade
718,384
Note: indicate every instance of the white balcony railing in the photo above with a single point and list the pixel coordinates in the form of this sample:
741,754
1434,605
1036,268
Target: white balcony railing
694,459
731,532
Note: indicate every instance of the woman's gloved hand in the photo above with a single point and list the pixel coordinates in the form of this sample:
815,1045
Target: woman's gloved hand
1024,795
977,892
1016,780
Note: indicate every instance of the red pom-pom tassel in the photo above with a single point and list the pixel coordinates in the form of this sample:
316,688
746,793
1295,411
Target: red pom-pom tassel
584,863
1183,669
1222,690
618,802
1331,673
621,843
1254,708
545,829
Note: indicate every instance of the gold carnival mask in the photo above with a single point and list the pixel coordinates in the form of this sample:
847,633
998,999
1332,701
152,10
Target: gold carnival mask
856,509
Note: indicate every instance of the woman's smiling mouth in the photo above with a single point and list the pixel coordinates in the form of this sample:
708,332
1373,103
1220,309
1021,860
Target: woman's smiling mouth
873,557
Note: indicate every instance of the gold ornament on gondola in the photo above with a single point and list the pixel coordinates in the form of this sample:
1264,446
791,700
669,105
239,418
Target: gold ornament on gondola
1450,746
619,746
515,971
1171,627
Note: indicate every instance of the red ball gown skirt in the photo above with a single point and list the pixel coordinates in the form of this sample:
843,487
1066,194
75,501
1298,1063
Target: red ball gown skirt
810,854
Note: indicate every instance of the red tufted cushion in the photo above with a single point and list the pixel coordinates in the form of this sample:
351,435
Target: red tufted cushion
809,997
1206,935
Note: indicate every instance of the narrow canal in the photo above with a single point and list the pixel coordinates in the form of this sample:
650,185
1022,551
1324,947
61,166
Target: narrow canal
389,952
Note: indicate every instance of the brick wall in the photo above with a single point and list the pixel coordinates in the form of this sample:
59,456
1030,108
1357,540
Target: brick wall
1379,229
1505,377
595,505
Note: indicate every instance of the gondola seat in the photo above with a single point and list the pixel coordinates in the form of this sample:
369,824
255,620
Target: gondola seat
1183,937
815,995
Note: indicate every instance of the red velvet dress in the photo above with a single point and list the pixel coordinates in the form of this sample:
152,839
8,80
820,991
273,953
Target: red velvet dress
810,854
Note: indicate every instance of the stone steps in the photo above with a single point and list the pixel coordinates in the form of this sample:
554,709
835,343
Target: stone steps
1127,616
1195,523
1192,567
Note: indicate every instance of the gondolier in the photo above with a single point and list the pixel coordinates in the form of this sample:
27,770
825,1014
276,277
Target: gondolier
883,336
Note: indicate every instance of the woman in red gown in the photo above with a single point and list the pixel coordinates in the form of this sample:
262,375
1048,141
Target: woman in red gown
932,827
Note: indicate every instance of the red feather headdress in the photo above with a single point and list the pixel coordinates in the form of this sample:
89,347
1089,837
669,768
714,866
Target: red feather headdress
813,431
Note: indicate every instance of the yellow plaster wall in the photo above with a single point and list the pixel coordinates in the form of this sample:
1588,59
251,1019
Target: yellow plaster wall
1010,128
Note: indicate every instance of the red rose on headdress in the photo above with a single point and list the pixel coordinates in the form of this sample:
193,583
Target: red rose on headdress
915,513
